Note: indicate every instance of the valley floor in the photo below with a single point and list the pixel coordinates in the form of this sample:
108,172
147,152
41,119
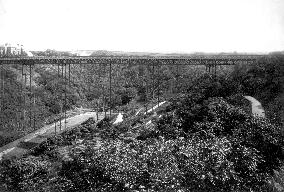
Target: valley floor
22,145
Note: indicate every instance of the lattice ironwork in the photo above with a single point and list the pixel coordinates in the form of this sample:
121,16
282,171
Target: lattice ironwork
192,60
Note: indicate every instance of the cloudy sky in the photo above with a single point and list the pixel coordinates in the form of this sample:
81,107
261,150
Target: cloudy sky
144,25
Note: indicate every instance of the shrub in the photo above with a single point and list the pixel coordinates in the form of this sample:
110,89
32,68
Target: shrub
86,172
227,149
167,126
24,174
47,147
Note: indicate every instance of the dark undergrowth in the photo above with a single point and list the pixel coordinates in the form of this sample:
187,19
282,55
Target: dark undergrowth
200,140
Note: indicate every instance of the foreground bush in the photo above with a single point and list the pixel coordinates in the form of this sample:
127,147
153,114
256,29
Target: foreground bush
24,174
123,166
226,149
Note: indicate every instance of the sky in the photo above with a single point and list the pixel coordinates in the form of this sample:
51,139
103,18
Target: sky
144,25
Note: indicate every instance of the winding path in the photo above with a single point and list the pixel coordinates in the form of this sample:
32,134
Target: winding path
22,145
256,107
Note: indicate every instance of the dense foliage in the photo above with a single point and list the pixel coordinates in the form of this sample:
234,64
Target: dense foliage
264,80
26,107
200,140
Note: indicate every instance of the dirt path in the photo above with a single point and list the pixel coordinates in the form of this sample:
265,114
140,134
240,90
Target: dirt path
22,145
256,107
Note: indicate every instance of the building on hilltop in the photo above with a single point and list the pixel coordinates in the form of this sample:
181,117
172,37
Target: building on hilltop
2,50
8,50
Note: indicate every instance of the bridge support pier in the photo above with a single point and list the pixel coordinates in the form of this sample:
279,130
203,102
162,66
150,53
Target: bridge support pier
2,79
211,68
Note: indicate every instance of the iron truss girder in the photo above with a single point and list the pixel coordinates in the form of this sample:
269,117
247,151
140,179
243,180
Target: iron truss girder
192,60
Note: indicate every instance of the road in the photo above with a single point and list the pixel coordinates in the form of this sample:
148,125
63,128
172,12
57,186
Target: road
22,145
256,107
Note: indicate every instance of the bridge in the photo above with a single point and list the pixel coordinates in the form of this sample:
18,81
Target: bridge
163,60
64,69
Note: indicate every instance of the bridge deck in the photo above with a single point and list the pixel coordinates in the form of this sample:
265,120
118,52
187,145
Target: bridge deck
166,60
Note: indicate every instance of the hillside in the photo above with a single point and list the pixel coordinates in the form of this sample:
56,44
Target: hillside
202,137
89,86
22,112
192,141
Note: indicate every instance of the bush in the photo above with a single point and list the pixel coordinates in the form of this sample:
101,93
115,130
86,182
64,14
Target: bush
238,100
122,166
86,172
24,174
227,149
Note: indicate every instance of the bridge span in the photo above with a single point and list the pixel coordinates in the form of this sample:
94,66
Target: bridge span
162,60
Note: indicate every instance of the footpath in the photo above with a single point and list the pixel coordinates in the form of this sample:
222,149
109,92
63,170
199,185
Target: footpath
256,107
23,145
